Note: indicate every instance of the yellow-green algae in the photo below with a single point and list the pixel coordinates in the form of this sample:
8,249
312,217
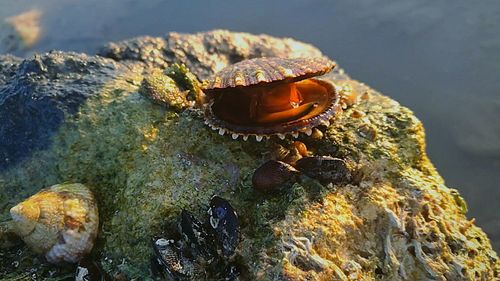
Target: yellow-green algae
178,89
146,162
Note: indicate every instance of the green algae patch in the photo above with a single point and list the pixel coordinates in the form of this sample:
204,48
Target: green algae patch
144,163
148,164
377,128
186,81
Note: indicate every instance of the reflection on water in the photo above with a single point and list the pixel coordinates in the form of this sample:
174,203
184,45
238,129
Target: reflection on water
440,58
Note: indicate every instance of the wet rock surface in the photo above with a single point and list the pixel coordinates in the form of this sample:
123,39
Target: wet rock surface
40,93
8,66
205,53
67,117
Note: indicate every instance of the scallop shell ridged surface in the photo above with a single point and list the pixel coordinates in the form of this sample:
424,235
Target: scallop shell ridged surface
61,222
267,70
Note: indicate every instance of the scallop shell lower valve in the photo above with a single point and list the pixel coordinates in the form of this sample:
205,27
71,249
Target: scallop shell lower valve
270,96
60,222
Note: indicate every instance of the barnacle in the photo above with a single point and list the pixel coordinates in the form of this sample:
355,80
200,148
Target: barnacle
325,169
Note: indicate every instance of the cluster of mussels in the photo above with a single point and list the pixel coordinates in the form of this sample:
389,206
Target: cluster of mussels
204,250
282,172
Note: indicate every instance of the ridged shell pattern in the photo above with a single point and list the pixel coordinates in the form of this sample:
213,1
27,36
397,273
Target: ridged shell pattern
266,70
60,222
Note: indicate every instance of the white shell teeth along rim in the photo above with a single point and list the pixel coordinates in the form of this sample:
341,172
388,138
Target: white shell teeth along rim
259,138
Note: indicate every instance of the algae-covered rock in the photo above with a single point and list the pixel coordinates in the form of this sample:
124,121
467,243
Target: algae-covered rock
40,93
145,162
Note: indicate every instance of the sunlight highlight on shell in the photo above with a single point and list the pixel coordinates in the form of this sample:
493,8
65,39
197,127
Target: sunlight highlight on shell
60,222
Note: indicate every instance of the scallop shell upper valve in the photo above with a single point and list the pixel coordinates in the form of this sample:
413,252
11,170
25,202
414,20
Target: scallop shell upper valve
270,96
60,222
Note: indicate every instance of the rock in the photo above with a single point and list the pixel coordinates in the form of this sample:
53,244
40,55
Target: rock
74,118
20,32
205,53
40,93
8,67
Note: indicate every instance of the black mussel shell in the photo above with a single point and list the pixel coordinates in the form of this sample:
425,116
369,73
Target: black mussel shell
231,273
325,169
225,225
156,267
88,270
169,261
274,176
196,235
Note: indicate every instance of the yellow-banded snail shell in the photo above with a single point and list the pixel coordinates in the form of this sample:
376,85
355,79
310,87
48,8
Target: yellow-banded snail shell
60,222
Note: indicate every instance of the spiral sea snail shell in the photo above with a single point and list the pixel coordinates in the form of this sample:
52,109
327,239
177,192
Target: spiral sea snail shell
60,222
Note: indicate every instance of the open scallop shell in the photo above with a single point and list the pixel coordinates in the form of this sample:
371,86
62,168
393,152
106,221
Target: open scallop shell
231,91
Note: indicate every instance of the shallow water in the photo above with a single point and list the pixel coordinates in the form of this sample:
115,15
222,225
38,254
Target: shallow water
439,58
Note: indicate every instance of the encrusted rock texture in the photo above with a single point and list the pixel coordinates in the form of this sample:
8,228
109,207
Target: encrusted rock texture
68,117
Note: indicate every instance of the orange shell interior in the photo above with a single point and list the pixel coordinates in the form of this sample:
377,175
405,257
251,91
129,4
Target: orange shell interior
271,104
